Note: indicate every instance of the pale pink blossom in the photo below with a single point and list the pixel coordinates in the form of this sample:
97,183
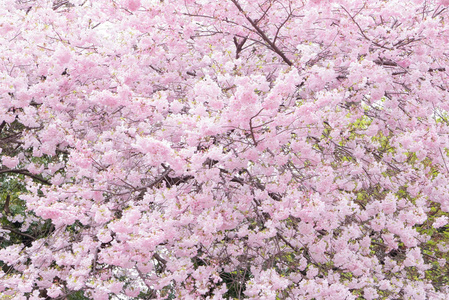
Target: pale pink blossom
132,291
132,5
440,221
10,162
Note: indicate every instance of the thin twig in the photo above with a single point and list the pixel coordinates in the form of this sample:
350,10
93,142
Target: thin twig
444,161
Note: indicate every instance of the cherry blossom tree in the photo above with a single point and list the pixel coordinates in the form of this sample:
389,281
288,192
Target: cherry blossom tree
195,149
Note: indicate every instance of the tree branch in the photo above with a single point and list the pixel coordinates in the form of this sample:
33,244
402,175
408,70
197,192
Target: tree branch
19,232
262,34
26,173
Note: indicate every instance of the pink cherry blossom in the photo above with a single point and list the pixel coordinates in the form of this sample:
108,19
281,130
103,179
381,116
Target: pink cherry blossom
10,162
224,149
132,5
440,221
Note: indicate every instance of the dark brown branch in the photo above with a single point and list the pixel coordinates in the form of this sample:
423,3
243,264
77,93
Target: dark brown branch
251,128
239,46
2,126
169,182
26,173
444,161
288,243
437,69
382,62
262,34
62,3
6,206
157,181
156,69
279,28
265,12
19,232
161,261
360,28
435,14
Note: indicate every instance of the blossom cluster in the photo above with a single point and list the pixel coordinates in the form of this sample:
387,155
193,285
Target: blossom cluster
202,149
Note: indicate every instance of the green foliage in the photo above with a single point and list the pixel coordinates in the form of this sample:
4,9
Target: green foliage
15,214
78,295
236,282
12,206
437,237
